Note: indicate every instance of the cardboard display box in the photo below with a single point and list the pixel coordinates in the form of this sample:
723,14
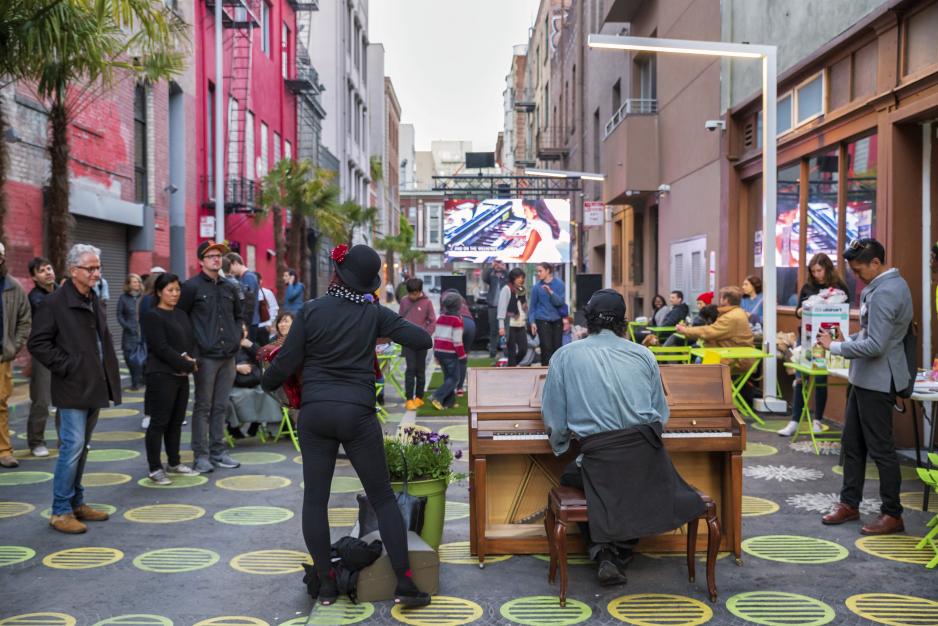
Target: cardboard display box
814,318
377,581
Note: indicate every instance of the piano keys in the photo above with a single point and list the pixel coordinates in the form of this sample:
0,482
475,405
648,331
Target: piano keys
513,467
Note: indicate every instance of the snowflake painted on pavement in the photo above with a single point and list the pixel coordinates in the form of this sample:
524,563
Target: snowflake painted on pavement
824,447
782,472
824,503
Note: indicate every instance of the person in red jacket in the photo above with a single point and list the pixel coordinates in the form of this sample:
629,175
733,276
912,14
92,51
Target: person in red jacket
417,309
449,350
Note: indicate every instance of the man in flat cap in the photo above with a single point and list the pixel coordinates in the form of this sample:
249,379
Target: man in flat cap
606,393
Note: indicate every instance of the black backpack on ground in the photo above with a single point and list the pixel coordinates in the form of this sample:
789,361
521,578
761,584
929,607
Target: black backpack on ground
349,557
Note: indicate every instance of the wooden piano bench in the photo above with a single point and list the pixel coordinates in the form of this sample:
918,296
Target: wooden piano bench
567,505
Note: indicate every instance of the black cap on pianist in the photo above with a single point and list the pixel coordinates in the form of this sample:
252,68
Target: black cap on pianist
606,302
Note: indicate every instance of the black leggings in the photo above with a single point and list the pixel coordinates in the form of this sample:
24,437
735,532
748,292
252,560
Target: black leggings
169,395
322,427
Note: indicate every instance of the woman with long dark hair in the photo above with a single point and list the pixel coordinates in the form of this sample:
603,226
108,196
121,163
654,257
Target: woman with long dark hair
752,298
545,230
333,341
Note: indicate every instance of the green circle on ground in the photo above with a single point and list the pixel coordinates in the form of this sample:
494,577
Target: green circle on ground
778,608
457,553
341,516
252,482
131,399
176,560
795,549
136,619
185,437
258,458
49,435
11,479
13,509
104,479
444,611
39,619
164,513
83,558
233,620
756,507
895,548
545,611
341,612
754,449
659,609
907,473
913,500
179,482
117,412
456,510
27,455
345,484
111,454
107,508
770,426
270,562
11,555
572,559
894,609
458,432
117,435
298,459
254,515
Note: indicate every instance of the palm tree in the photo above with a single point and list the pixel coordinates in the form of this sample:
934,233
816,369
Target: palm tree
348,216
74,51
409,256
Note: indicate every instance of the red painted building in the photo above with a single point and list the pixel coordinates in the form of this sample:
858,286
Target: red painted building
260,121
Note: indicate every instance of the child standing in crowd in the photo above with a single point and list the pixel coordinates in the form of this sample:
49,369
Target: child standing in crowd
417,309
449,351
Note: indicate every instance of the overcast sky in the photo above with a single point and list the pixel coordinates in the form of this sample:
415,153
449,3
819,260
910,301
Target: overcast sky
448,60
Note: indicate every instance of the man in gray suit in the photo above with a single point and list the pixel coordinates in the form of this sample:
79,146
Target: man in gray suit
878,368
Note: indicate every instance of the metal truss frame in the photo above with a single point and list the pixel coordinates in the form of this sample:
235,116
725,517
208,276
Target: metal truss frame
488,186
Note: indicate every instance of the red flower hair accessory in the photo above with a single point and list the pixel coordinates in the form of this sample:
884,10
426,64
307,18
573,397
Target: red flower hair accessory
339,252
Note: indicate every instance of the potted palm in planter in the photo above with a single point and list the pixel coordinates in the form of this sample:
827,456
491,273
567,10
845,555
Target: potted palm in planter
428,460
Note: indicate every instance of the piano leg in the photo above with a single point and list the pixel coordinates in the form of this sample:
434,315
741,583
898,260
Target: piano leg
736,468
478,499
549,523
692,548
560,547
713,546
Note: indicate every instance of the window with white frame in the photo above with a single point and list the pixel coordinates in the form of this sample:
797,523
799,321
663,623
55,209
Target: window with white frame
265,28
276,148
232,138
783,115
810,98
434,223
287,150
264,150
285,51
249,172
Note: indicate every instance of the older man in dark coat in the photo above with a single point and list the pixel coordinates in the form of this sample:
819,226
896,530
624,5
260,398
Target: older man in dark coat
71,338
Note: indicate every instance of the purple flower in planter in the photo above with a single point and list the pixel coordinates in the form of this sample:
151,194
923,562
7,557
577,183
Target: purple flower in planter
434,438
458,454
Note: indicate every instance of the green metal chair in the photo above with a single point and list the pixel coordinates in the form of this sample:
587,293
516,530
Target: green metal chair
671,354
286,427
930,478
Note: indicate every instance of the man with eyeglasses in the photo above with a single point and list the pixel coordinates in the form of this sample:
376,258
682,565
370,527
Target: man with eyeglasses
214,308
70,337
878,367
14,329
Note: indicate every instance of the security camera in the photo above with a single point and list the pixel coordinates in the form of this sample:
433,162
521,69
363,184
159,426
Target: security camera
713,125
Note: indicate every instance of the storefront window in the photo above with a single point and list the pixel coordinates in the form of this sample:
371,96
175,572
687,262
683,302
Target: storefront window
787,251
822,206
861,200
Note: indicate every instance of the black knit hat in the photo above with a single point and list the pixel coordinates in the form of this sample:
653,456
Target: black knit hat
359,268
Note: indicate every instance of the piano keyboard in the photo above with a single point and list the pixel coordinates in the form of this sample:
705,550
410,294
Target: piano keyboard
518,436
677,434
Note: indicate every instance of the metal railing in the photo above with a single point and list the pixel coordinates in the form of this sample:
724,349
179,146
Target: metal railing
632,106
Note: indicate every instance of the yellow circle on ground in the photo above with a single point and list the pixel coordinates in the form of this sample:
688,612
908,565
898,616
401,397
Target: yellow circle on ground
795,549
118,412
179,482
755,507
340,517
48,435
572,559
340,612
542,610
164,513
83,558
252,482
15,478
39,619
701,555
779,608
345,484
457,553
298,459
117,435
131,399
270,562
907,473
103,479
913,500
456,510
444,611
458,432
176,560
136,619
233,620
185,456
254,515
754,449
654,609
27,455
107,508
895,548
13,509
105,455
894,609
258,458
11,555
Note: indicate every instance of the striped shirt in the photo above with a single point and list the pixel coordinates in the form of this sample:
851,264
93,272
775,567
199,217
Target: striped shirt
447,337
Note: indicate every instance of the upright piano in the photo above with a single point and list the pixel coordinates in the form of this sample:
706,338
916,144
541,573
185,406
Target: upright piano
513,467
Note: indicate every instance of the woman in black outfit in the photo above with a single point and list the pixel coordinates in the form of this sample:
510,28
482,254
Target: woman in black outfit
170,360
333,341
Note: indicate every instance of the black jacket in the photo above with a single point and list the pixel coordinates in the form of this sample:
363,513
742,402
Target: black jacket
676,315
632,489
128,316
70,337
38,295
214,308
248,356
333,341
168,335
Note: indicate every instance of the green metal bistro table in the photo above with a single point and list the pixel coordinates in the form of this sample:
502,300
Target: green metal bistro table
661,330
809,375
390,362
633,326
738,354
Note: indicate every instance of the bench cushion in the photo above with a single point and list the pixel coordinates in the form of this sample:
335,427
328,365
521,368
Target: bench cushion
568,497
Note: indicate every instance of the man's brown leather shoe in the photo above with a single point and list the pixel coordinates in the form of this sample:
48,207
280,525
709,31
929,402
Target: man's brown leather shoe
87,514
883,525
9,461
67,524
841,513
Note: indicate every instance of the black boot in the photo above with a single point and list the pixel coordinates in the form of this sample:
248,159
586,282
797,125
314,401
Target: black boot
407,594
608,572
328,588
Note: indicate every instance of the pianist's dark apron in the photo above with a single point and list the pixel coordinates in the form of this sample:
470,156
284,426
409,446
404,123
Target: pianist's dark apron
632,489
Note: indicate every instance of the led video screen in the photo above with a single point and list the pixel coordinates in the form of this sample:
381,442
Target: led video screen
513,230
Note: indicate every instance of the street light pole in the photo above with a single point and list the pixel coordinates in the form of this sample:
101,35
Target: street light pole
769,57
607,255
219,126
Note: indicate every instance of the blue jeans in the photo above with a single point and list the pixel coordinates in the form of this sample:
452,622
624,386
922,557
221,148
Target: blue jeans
75,428
446,393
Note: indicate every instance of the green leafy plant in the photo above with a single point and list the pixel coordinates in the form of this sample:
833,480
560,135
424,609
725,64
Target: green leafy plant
428,456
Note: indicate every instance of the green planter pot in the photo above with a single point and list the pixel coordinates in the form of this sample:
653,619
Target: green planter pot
435,512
